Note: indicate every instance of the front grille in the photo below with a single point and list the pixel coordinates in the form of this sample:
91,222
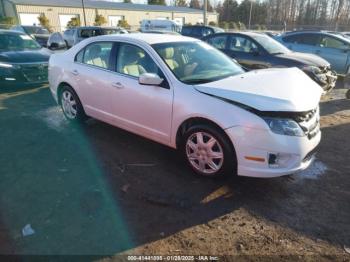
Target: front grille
35,72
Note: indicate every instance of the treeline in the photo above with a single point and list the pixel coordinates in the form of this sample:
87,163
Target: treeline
286,14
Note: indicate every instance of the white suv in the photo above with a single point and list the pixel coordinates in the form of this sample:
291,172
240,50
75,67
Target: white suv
185,94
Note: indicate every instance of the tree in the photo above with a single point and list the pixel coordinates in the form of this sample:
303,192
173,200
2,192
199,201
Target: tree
127,1
100,20
212,23
45,22
74,22
195,4
7,21
181,3
156,2
124,24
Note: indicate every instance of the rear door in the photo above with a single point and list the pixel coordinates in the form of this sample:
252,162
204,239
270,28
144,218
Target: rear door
92,75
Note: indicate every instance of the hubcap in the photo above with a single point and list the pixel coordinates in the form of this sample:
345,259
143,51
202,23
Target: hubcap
69,105
204,153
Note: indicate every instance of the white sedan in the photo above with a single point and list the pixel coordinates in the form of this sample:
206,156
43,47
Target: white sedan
185,94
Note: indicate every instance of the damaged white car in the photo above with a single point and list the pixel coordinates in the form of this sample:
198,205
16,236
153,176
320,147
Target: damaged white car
185,94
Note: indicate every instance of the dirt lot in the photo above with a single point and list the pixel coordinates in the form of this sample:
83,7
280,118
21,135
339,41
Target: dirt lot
102,191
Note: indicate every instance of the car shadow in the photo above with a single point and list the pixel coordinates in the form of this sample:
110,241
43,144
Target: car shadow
115,191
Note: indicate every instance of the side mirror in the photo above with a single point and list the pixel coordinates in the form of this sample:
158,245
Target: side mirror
150,79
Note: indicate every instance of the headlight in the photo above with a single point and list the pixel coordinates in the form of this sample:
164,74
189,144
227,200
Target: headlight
283,126
5,65
313,69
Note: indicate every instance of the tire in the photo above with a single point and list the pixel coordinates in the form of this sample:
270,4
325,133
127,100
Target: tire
71,105
200,157
348,94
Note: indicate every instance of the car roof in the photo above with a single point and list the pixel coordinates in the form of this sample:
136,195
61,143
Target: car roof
339,36
147,38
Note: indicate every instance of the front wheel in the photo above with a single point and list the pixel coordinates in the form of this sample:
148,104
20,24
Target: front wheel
208,151
71,105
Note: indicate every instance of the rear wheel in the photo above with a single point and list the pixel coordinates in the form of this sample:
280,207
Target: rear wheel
71,105
208,151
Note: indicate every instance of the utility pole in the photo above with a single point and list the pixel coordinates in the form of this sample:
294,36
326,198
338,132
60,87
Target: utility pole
205,6
82,3
250,13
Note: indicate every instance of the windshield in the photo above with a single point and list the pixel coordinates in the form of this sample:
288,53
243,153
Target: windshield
16,42
196,62
270,44
109,31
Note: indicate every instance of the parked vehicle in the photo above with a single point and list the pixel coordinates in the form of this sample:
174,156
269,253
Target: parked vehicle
160,25
200,31
333,48
73,36
56,42
39,33
186,94
161,32
257,51
23,62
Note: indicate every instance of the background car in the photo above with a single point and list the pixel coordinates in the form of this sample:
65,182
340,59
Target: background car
200,31
73,36
23,62
39,33
333,48
257,51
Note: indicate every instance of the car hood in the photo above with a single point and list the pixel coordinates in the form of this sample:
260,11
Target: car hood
307,59
25,56
283,90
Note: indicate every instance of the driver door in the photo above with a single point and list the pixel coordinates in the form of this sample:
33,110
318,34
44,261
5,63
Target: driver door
142,109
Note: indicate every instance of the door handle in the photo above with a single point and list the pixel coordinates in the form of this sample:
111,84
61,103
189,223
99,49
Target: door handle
118,85
75,72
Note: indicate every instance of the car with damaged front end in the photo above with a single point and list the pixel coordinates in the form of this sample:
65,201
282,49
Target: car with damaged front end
186,94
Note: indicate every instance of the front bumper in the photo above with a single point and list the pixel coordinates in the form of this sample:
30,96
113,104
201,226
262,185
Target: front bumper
327,78
296,153
24,75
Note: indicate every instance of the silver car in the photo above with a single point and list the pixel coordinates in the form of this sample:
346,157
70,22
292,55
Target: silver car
73,36
333,48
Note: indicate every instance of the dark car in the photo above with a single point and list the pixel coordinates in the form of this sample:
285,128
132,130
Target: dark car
39,33
23,62
200,31
258,51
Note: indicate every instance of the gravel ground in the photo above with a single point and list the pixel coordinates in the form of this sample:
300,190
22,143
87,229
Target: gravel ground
98,190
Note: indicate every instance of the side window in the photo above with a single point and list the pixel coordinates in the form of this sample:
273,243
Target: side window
242,44
218,41
80,56
331,42
134,61
98,54
197,31
186,30
293,39
304,39
206,31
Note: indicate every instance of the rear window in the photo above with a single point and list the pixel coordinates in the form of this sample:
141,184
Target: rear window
186,30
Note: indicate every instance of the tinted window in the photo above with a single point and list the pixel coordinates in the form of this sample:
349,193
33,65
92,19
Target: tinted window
186,30
86,33
197,31
218,41
134,61
242,44
331,42
98,54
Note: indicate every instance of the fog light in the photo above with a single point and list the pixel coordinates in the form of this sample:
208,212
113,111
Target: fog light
273,160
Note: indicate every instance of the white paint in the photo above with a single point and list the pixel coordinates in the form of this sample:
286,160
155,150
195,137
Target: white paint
64,19
113,20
